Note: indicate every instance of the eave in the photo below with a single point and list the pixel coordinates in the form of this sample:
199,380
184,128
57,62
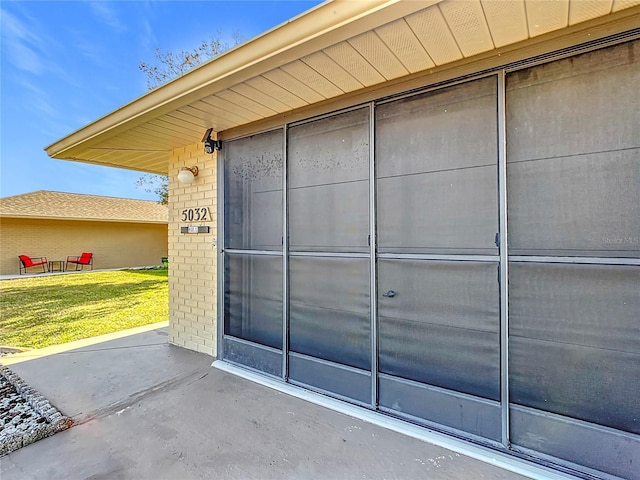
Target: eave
338,52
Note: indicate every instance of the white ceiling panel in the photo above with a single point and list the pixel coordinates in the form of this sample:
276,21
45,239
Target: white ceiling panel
208,116
435,36
176,128
179,119
151,161
294,85
312,79
178,116
401,40
265,85
588,9
97,154
374,50
258,96
125,156
249,107
345,55
215,107
545,16
468,25
334,73
623,4
507,21
125,142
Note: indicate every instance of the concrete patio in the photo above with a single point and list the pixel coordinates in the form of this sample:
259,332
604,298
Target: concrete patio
146,409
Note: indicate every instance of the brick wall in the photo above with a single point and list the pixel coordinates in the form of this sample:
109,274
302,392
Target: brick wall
192,257
114,244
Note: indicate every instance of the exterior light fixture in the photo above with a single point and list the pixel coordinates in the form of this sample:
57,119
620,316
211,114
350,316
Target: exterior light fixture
188,175
210,145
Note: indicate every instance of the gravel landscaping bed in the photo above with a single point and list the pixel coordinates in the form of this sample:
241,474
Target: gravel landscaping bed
25,415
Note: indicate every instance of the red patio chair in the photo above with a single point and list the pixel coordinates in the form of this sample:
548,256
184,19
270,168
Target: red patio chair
28,262
80,262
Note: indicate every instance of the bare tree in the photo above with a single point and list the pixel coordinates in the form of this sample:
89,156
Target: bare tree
167,66
158,184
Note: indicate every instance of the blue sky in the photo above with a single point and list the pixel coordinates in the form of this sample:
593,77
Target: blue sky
65,64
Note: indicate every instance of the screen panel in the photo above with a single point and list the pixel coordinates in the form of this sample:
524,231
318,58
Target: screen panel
436,158
253,298
446,212
586,205
333,217
329,309
328,161
441,324
573,153
574,341
253,192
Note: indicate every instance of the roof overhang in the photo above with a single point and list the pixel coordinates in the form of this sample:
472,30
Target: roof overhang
338,50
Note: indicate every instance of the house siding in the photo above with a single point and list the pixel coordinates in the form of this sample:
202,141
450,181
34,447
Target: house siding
114,244
192,257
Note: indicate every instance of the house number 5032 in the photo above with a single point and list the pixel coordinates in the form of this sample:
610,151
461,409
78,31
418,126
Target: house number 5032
196,214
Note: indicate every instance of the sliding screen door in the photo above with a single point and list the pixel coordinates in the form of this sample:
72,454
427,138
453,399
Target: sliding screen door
253,293
438,303
574,223
329,311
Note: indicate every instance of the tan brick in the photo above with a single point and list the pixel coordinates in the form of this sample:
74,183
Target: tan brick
208,350
193,258
207,336
190,345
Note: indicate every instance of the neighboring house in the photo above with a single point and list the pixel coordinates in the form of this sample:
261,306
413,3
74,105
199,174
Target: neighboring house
120,232
350,237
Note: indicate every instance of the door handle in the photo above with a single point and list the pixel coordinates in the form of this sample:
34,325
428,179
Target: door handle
389,294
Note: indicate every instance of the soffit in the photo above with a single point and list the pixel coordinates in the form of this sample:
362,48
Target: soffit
344,49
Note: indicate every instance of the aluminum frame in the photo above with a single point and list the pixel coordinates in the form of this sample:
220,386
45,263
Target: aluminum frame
285,260
220,244
576,260
373,261
266,253
329,254
445,258
503,264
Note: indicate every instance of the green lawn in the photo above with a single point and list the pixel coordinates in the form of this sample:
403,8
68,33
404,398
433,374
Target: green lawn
36,312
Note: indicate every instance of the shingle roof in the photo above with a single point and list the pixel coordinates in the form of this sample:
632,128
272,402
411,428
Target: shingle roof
73,206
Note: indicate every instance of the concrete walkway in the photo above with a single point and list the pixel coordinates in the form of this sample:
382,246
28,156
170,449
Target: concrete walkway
146,409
